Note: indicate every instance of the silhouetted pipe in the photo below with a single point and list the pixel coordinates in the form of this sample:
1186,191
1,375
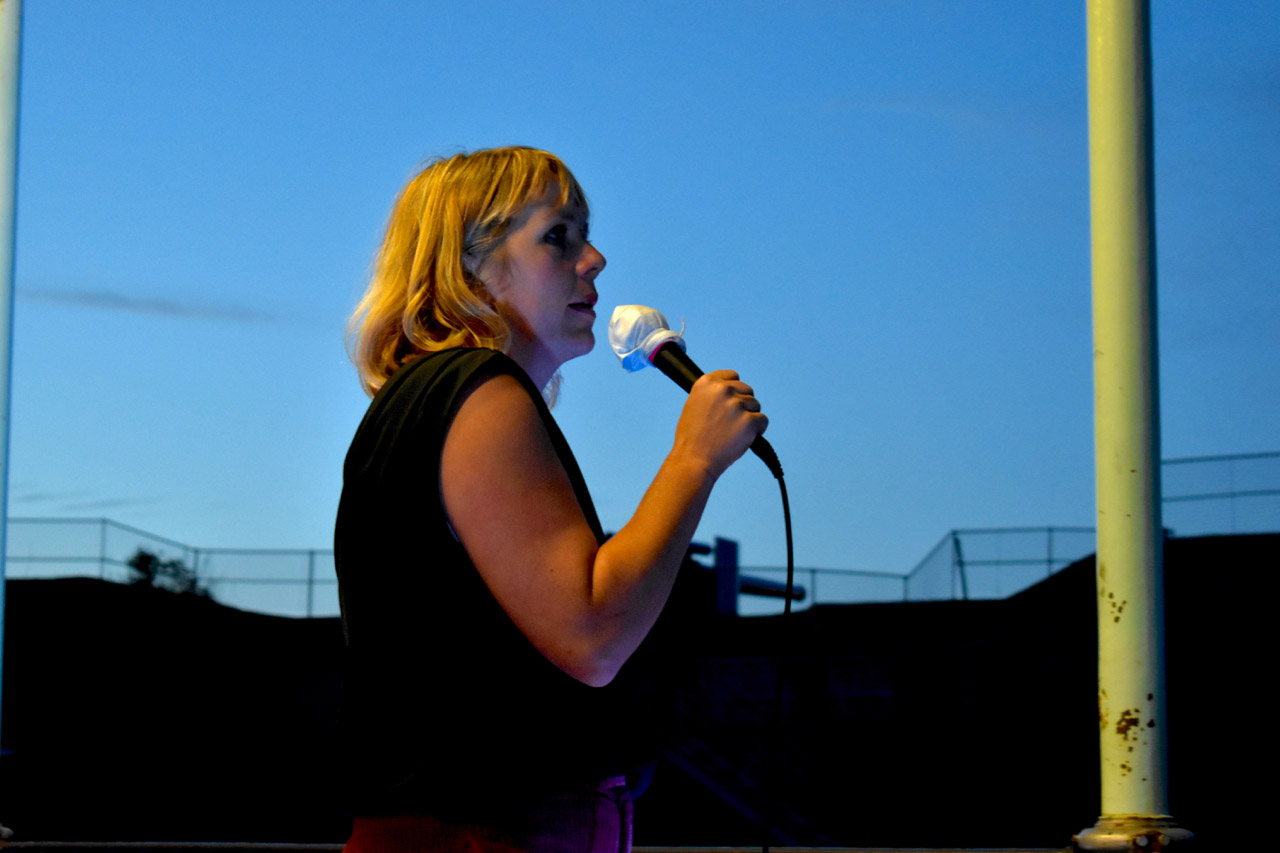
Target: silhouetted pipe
769,589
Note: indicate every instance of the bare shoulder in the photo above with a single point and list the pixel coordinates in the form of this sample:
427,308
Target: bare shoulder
500,476
492,407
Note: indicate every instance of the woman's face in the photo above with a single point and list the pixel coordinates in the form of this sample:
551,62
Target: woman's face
542,277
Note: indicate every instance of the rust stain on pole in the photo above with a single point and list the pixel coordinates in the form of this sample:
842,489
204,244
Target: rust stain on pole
1127,722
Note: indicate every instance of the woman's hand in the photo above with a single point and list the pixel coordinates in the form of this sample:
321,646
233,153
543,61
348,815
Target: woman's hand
720,420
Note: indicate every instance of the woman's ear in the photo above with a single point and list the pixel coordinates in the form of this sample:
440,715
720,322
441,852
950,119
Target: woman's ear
486,267
471,263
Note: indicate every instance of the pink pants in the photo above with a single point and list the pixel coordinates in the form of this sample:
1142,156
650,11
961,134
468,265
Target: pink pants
591,819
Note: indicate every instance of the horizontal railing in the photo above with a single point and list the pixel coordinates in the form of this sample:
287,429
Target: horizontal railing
176,847
281,581
1203,495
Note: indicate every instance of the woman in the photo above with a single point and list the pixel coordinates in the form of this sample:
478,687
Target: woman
485,613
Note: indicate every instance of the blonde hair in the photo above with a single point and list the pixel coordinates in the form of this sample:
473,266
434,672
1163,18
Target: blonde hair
422,297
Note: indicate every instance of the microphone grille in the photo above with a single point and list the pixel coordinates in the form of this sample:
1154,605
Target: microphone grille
635,332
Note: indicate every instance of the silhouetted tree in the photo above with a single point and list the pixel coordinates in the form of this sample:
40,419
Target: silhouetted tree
173,574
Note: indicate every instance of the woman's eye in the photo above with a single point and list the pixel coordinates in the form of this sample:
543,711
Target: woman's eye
558,236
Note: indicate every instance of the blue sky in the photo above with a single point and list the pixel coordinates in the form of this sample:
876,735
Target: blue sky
877,212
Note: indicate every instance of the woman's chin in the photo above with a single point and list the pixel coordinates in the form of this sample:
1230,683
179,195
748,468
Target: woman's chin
581,345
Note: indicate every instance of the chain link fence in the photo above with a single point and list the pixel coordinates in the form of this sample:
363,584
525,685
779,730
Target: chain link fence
83,547
284,582
1203,495
1210,495
277,581
995,562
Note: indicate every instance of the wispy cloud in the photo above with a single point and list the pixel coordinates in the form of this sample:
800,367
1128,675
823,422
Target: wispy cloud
104,300
19,493
108,503
73,500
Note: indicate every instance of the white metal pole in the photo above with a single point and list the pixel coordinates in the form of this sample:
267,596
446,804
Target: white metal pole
10,53
1131,711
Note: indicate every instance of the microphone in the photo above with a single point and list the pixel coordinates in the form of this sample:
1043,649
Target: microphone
640,336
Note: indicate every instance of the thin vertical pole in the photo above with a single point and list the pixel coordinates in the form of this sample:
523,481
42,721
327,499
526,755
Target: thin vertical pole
311,579
1048,561
957,565
10,54
1131,710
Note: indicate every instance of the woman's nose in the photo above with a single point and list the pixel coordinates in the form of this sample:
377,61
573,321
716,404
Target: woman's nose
591,262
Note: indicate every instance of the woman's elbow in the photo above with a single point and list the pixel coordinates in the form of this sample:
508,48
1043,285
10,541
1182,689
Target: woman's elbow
593,670
594,652
595,661
600,678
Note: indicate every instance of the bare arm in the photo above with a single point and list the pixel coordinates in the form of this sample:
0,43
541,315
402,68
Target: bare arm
584,606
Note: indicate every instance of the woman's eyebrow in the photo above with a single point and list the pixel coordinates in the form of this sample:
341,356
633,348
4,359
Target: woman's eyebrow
572,215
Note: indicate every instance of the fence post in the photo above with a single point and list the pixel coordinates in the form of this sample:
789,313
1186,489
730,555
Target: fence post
311,578
957,563
1231,488
1048,560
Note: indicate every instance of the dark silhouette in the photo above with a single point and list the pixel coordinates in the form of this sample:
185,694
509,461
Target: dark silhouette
955,723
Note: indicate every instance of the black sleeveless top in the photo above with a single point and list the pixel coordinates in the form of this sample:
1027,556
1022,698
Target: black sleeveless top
446,701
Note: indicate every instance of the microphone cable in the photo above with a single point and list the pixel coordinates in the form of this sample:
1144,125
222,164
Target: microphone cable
770,805
640,336
765,451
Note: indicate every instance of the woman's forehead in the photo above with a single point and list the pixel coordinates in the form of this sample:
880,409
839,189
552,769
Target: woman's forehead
548,206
